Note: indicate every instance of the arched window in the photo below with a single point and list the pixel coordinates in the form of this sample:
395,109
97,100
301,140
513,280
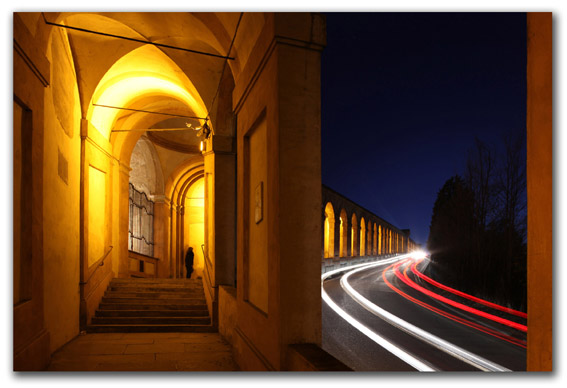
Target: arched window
329,230
142,187
343,234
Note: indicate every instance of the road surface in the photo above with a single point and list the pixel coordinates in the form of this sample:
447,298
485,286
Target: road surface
388,316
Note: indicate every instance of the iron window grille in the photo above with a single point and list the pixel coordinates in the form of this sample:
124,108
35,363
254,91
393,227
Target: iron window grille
141,225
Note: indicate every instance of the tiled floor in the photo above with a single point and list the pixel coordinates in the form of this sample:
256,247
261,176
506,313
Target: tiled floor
145,352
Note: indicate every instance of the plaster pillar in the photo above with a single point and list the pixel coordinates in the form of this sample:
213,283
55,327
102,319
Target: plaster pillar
161,235
220,217
123,220
279,231
31,341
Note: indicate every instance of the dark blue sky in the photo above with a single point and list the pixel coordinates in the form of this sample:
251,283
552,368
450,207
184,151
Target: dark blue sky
403,97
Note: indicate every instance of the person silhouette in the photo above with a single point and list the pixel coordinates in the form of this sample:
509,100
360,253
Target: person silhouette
189,256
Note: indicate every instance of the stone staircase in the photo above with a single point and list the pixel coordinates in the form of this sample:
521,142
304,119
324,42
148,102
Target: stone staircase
152,305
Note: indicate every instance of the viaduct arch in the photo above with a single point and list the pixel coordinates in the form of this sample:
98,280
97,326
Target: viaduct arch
369,234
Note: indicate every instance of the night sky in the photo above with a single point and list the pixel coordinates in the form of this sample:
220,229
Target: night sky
403,97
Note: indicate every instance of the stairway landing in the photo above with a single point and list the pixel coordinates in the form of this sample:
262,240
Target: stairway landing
140,352
151,306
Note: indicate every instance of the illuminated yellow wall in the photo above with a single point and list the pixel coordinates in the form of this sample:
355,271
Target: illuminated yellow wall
61,193
194,228
96,215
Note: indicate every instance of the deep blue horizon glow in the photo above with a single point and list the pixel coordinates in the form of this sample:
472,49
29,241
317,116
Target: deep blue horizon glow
404,95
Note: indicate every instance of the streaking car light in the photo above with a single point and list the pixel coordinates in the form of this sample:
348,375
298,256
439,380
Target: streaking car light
378,339
457,352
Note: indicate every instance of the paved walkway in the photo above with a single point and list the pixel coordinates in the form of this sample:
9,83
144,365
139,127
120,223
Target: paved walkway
145,352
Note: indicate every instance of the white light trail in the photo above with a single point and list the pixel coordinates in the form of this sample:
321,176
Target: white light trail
447,347
389,346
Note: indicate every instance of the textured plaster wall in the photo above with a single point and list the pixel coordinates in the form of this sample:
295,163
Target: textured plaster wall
143,173
256,287
61,167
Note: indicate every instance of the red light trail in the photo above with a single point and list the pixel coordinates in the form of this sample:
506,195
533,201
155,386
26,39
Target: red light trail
405,278
464,295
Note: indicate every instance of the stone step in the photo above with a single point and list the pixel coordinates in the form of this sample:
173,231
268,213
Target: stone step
158,301
161,282
155,295
139,305
150,329
151,320
152,305
153,313
153,287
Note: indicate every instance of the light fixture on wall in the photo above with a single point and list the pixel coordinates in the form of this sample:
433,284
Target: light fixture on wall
203,131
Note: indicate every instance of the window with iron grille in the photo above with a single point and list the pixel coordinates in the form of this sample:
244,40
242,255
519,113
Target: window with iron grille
141,226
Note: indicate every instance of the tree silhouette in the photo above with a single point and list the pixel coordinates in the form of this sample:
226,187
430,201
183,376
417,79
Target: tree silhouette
478,226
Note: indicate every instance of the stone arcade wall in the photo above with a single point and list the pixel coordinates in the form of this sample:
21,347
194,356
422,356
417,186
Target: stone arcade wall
380,237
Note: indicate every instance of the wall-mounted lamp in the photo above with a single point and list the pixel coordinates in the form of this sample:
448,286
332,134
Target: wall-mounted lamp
204,131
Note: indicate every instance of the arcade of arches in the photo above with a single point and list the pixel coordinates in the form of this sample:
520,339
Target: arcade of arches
111,181
358,232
